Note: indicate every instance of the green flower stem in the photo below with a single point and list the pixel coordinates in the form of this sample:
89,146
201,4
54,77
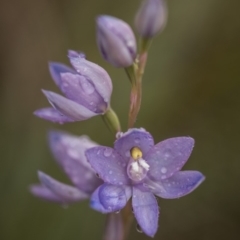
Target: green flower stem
111,120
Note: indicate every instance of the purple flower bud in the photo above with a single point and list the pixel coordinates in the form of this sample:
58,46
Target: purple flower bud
151,18
87,88
116,41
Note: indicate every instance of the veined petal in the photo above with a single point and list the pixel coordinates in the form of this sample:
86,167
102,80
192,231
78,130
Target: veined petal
44,193
69,152
52,115
110,166
66,192
96,204
98,76
68,107
81,90
113,197
134,138
180,184
56,69
169,156
146,211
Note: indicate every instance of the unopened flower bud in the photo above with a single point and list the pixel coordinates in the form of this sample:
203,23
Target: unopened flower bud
151,18
116,41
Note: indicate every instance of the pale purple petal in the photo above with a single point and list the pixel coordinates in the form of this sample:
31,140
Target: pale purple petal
169,156
113,197
81,90
134,138
56,69
68,107
110,166
146,211
44,193
98,76
69,152
180,184
96,204
52,115
66,192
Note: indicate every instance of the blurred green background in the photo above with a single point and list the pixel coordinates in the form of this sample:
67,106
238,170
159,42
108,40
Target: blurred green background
191,87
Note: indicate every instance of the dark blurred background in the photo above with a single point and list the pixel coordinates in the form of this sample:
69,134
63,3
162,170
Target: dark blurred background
191,87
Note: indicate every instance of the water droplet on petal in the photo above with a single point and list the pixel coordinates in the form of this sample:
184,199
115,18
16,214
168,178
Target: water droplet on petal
138,228
110,172
137,140
97,175
127,153
107,152
86,86
65,85
163,170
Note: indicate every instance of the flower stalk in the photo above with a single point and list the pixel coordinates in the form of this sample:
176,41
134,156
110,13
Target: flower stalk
135,74
111,120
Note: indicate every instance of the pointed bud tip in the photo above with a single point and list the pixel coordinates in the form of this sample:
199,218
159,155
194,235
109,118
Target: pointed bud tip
76,54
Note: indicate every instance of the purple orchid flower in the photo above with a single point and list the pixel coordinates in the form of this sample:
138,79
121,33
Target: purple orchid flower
87,88
69,152
138,168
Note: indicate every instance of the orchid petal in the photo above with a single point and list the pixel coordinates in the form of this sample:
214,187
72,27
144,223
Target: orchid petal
98,76
69,152
179,185
52,115
145,208
169,156
56,69
68,107
81,90
96,204
66,192
113,197
134,138
44,193
110,166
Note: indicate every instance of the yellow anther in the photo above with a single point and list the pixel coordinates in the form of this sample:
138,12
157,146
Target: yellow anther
136,153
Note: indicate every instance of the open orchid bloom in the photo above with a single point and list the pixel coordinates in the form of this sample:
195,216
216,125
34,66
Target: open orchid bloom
87,88
69,152
137,168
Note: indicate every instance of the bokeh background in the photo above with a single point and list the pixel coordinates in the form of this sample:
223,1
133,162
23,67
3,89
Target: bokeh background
191,87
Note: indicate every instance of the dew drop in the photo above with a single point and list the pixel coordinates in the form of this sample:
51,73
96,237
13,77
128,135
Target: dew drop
163,170
65,85
117,212
86,86
138,228
137,140
107,152
97,175
127,153
110,172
